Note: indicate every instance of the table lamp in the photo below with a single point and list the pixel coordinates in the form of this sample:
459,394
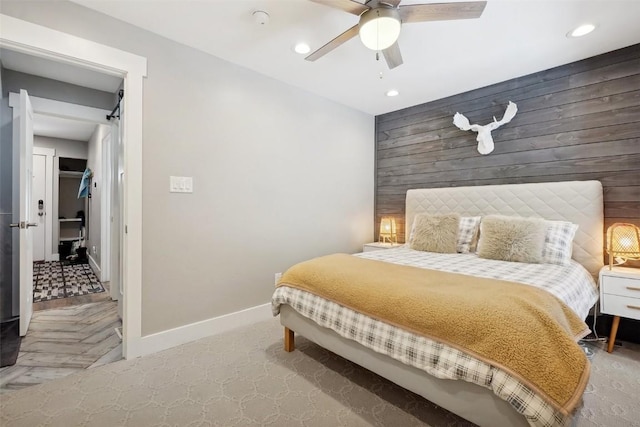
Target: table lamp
623,243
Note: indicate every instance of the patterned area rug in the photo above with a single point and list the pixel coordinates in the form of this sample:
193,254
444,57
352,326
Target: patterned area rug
60,279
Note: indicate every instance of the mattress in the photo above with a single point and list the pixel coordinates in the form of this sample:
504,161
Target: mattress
572,284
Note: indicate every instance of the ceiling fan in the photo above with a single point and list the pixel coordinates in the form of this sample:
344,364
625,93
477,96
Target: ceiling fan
381,20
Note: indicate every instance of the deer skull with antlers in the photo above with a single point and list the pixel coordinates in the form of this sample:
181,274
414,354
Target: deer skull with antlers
485,140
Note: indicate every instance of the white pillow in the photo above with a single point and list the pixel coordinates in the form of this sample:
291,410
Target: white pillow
467,233
558,242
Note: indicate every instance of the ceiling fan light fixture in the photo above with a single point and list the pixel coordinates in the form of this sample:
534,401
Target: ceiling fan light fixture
379,28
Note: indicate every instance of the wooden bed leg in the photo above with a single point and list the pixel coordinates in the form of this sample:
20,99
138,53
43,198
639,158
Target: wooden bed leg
289,340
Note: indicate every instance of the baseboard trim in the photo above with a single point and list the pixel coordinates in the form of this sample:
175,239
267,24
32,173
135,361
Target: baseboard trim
94,266
55,257
173,337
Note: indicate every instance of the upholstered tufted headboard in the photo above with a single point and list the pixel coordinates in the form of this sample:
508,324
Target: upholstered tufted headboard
580,202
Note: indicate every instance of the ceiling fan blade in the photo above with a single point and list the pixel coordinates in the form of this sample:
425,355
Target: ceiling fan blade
393,56
441,11
346,36
347,5
392,3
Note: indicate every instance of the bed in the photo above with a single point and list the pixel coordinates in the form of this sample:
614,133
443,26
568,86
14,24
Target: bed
492,398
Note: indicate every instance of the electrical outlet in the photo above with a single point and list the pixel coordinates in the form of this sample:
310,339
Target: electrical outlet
94,250
278,277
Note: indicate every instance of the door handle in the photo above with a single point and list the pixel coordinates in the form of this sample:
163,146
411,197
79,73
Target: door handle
23,224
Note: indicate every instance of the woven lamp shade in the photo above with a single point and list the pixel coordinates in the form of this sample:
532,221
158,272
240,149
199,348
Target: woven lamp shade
388,231
623,241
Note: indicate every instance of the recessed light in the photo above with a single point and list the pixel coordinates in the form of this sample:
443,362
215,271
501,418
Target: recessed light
582,30
302,48
392,92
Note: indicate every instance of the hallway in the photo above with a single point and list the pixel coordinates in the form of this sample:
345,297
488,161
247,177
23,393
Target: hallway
63,341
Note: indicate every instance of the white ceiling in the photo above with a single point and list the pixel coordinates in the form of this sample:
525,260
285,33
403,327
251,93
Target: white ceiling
512,38
59,127
36,66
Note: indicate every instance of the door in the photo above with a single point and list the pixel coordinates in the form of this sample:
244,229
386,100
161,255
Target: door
39,204
25,220
121,255
122,231
114,214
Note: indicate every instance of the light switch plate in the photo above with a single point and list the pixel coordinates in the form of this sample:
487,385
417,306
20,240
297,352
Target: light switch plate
181,184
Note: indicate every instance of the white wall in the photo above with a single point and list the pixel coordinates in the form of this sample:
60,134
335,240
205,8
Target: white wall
280,175
64,147
94,162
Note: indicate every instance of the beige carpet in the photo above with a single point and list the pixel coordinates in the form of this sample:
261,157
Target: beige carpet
244,378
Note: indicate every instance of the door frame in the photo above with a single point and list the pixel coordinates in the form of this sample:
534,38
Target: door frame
49,154
96,116
43,42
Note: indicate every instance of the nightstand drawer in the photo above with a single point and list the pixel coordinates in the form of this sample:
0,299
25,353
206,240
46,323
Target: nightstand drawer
622,286
621,306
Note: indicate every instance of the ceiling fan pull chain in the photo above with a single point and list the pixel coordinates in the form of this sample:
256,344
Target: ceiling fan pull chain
377,56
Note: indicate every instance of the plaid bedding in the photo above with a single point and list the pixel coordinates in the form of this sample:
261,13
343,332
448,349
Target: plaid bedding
572,284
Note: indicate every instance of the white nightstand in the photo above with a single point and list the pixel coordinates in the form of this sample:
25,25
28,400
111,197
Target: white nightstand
619,296
376,246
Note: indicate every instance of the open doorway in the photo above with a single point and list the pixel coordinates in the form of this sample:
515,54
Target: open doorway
71,196
70,217
69,50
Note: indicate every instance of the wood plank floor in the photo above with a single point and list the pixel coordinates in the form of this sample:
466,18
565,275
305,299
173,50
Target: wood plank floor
65,340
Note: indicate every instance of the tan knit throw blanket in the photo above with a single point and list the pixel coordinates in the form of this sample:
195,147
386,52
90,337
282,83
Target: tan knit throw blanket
521,329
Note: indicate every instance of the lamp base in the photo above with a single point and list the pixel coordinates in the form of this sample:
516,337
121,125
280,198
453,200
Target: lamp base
619,261
383,239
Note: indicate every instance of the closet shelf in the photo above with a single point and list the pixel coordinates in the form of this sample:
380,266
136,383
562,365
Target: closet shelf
70,174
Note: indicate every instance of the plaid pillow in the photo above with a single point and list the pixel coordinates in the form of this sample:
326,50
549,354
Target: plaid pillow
467,233
558,242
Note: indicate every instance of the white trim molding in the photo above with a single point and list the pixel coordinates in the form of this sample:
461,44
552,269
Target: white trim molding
94,266
62,109
43,42
37,40
205,328
105,206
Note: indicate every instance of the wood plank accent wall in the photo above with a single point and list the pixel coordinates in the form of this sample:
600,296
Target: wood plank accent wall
579,121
